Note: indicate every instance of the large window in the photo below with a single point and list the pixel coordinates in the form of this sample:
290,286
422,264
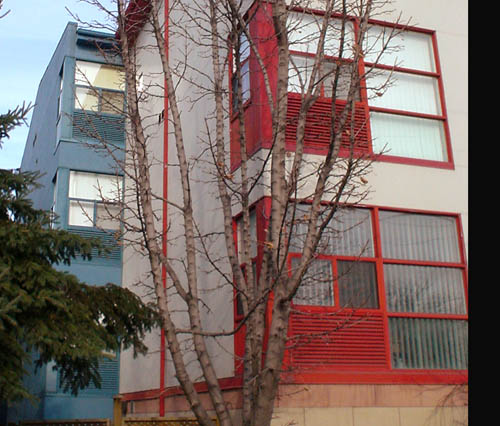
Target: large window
347,238
401,86
99,87
408,120
405,267
94,200
424,289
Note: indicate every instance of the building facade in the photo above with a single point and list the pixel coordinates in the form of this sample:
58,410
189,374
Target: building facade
76,139
403,358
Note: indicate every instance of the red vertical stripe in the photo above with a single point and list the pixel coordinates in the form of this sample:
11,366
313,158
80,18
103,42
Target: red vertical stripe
165,221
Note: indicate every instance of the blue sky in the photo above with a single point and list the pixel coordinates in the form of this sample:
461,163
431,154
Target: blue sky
28,37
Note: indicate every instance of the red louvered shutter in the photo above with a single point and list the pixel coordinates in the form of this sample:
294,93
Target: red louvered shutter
318,122
334,340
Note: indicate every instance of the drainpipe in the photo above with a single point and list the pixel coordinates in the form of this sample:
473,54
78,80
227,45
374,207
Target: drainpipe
165,219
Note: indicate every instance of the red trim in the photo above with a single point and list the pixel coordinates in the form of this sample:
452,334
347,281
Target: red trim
410,377
256,111
227,383
442,97
414,377
141,395
373,374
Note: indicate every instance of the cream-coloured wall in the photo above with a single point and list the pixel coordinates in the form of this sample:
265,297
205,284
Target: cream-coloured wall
142,373
196,113
417,187
371,416
393,185
429,188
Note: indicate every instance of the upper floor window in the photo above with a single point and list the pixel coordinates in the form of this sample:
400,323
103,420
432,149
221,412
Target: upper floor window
99,87
304,31
408,118
401,77
60,94
241,60
94,200
400,111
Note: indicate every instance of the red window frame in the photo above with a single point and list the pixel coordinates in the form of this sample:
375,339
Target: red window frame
443,117
260,26
381,371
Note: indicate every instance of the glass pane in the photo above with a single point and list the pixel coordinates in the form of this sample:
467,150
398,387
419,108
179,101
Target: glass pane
93,186
349,233
419,237
81,213
245,81
86,99
112,102
245,85
406,92
240,294
357,284
299,73
410,137
316,287
244,47
333,37
99,75
81,185
304,31
108,216
407,49
424,289
428,343
343,82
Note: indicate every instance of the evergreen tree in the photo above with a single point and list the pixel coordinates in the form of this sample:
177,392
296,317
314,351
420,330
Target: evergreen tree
49,312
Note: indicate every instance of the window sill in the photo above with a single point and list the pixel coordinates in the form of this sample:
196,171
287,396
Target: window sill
447,165
410,377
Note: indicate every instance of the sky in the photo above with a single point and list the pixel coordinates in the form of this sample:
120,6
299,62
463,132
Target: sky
28,37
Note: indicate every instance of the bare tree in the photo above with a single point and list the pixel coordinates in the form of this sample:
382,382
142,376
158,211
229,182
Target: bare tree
306,192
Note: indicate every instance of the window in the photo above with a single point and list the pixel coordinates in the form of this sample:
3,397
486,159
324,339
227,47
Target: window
99,88
53,214
60,95
403,266
424,289
348,236
303,38
244,60
408,120
94,200
253,232
403,98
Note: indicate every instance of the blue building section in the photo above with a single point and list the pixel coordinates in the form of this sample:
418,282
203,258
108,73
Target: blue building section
75,140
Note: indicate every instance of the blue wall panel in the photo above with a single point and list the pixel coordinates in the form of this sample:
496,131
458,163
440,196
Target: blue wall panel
53,150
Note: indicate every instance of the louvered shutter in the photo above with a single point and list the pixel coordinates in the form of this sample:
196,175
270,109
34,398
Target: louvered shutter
318,121
333,340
